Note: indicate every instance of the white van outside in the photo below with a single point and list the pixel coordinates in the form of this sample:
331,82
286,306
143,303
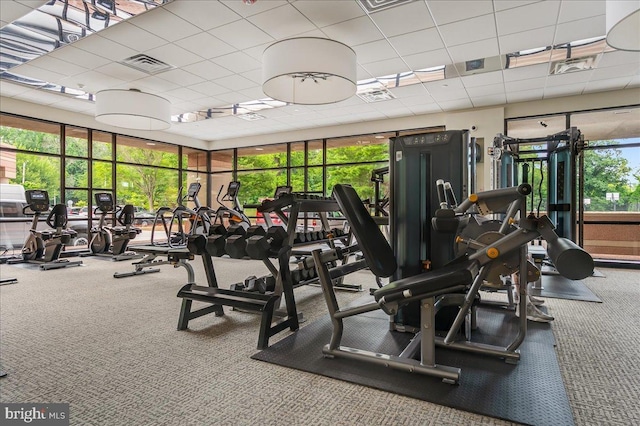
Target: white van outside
14,224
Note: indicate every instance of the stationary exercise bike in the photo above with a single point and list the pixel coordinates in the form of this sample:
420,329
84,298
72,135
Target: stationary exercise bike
44,247
112,241
233,214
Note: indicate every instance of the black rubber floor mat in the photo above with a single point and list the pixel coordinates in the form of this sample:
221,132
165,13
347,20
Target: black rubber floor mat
531,392
559,287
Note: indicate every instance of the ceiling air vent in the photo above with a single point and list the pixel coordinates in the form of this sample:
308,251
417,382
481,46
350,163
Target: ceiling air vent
376,95
378,5
251,116
146,64
574,64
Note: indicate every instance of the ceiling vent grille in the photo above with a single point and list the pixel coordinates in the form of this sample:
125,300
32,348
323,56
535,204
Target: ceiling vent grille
574,64
147,64
251,116
378,5
376,95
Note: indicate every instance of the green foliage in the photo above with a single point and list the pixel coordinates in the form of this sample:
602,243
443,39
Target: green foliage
29,140
606,170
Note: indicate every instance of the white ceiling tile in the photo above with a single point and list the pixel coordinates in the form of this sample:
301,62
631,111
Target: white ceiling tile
325,13
242,35
580,30
569,78
256,51
282,22
531,39
33,3
417,101
131,36
363,74
234,98
510,4
564,90
535,15
10,89
530,83
235,82
92,81
398,112
183,93
444,85
417,42
57,66
523,73
205,45
354,32
455,104
253,75
618,57
37,73
79,57
580,9
387,67
414,90
164,24
431,59
122,72
445,12
203,14
635,82
374,51
449,95
77,105
180,77
207,70
425,109
41,97
475,50
103,47
10,10
625,70
209,88
403,19
252,9
174,55
609,84
254,93
237,62
525,95
494,77
469,30
485,90
480,101
153,84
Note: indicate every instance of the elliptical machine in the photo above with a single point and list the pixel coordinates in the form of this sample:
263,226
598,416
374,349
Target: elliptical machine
233,214
112,241
44,247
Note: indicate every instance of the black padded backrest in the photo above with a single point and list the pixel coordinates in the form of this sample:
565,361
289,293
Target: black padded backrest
58,216
127,215
374,245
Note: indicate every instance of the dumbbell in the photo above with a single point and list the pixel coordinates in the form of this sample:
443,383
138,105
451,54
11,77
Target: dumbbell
296,277
235,242
260,285
216,240
301,237
261,246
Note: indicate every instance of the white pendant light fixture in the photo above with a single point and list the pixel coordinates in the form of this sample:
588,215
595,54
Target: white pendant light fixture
623,24
133,109
309,71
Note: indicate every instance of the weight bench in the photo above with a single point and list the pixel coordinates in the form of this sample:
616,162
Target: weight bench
174,256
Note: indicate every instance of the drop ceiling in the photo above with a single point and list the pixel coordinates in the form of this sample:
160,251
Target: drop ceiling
214,50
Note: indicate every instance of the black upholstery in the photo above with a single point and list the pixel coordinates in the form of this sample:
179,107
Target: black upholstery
374,245
58,216
127,215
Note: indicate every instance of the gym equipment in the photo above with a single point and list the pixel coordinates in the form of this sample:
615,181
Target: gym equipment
436,289
216,240
237,236
112,241
44,247
263,246
156,256
234,214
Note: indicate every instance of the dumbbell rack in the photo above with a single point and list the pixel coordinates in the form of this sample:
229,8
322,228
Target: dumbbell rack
294,204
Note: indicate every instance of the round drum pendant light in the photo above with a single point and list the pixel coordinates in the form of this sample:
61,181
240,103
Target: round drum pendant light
133,109
623,24
309,71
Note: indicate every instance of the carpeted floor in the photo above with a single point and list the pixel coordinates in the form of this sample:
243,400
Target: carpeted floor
110,348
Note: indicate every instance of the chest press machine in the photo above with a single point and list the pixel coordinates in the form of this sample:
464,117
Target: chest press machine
456,283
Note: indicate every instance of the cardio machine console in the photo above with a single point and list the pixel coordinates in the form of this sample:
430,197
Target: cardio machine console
104,201
38,200
233,189
193,190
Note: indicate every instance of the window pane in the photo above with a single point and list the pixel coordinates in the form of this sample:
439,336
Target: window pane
32,171
297,179
618,126
358,176
102,145
357,149
222,160
141,151
297,154
314,153
79,215
264,157
194,159
29,135
314,179
102,173
219,181
536,127
256,186
148,187
76,141
76,173
188,178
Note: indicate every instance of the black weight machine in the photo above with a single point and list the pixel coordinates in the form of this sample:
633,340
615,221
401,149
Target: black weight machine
112,241
44,247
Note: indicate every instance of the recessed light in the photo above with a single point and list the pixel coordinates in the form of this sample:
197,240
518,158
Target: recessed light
621,112
379,137
150,143
259,149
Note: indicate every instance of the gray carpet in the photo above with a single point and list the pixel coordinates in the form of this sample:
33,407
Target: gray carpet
535,382
559,287
110,348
